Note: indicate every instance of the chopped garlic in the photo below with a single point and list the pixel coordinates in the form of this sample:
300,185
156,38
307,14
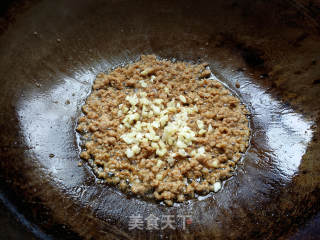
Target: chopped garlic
133,100
143,84
163,120
150,114
195,108
214,164
161,144
139,136
136,149
129,138
144,101
182,152
171,103
159,176
157,101
176,132
182,98
129,153
159,163
161,152
146,71
170,160
154,145
143,94
125,109
202,131
155,124
133,109
216,186
201,150
133,117
181,144
200,124
155,109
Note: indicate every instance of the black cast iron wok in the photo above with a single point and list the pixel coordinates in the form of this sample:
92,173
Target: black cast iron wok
50,52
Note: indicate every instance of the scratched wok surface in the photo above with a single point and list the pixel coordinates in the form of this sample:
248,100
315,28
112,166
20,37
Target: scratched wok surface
50,52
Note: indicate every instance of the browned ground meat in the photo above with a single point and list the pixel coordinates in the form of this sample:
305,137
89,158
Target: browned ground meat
163,130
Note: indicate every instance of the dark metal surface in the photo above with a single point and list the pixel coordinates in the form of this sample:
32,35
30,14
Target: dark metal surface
49,55
11,227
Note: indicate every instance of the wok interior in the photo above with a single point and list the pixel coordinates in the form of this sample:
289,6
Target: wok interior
50,55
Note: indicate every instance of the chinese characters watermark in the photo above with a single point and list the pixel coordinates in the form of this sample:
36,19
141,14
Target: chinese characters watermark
153,222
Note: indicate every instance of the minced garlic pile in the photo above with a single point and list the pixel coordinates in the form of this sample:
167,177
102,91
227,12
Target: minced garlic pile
163,130
153,128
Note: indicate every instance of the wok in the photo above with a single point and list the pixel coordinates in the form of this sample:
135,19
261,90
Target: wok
50,52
